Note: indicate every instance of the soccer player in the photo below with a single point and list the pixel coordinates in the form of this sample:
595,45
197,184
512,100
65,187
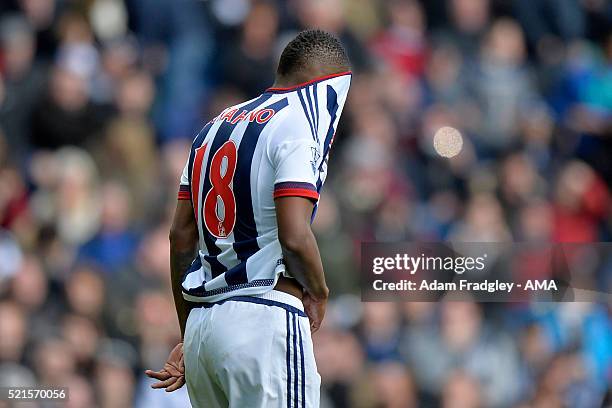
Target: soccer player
249,300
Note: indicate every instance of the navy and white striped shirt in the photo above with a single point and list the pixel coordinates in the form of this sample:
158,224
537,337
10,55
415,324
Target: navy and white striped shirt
272,146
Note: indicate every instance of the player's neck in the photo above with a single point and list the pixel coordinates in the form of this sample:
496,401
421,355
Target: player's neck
297,78
288,82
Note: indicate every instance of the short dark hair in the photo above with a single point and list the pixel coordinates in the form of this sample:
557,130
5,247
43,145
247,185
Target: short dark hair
312,46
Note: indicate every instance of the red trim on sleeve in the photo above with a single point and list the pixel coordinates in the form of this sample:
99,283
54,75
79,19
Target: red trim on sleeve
184,192
296,192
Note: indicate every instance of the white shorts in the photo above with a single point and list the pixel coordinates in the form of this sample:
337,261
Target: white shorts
251,352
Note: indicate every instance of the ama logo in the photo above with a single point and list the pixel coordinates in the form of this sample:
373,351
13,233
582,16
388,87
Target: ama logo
534,284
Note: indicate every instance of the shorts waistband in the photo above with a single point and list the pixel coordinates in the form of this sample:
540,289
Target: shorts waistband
272,298
282,297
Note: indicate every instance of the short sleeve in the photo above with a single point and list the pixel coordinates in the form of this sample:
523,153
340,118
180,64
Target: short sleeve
184,192
295,168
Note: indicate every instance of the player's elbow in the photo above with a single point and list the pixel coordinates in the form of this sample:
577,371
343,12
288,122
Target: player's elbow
296,241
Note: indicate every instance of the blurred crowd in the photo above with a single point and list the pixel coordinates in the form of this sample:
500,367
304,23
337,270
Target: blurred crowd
99,101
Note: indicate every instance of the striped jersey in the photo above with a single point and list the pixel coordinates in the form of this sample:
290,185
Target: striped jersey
275,145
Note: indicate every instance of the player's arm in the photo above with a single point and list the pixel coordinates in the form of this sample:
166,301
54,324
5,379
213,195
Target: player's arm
295,156
183,245
301,253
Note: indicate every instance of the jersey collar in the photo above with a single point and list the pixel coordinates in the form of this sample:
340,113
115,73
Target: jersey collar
302,85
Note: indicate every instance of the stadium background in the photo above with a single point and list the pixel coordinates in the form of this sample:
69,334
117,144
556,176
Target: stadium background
99,100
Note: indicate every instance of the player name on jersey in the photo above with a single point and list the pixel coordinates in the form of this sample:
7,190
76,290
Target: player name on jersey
260,116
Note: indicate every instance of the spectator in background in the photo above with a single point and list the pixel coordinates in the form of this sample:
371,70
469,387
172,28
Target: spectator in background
502,85
86,293
114,374
330,15
67,196
543,18
380,332
340,359
24,79
403,44
463,341
444,76
591,112
127,151
250,66
114,244
83,337
41,15
392,386
54,362
177,47
66,116
13,327
118,60
462,391
484,221
81,393
468,20
30,287
581,200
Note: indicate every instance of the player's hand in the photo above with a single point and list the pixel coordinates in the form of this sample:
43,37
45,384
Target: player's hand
172,376
315,310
